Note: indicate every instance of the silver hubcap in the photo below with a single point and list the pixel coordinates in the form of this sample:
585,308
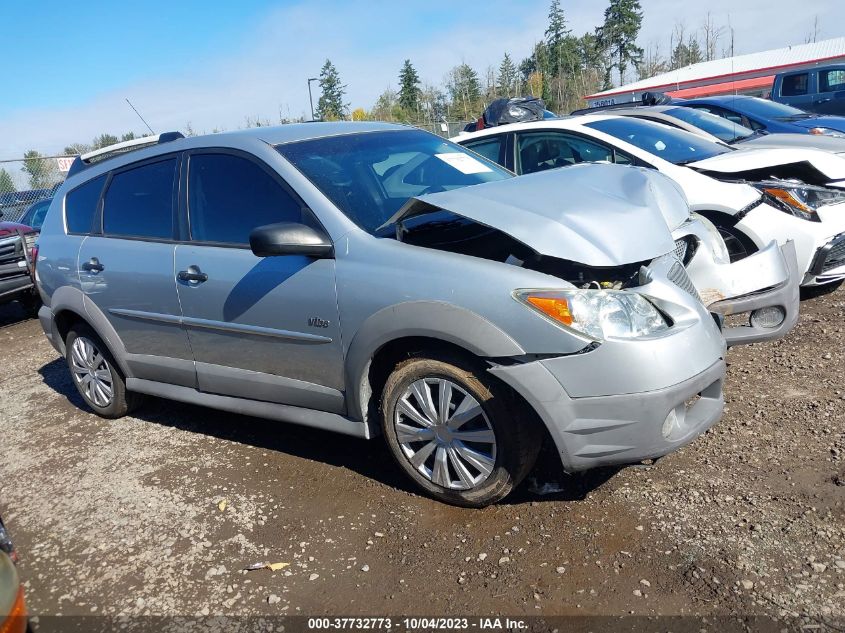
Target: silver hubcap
91,372
445,434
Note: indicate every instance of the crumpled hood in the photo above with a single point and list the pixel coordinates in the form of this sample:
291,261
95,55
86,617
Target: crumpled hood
830,165
597,215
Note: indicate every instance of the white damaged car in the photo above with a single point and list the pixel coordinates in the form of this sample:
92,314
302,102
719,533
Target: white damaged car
761,281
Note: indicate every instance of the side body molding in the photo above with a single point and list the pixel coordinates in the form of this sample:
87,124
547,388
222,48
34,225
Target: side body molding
431,319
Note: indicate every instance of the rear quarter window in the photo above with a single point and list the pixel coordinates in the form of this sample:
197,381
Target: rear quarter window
81,205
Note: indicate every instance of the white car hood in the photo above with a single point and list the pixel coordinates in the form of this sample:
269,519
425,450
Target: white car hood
831,166
597,215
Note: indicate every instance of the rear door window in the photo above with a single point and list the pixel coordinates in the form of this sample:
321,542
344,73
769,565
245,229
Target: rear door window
229,196
794,85
139,201
832,80
81,205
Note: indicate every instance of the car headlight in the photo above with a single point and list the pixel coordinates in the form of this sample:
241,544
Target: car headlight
597,314
799,199
826,131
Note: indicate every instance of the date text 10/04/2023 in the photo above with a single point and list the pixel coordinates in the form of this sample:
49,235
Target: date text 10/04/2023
417,623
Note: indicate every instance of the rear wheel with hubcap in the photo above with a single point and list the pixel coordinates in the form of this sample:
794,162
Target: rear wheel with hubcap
456,432
95,374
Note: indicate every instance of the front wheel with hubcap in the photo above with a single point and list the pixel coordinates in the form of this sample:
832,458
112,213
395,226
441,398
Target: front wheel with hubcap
95,374
456,432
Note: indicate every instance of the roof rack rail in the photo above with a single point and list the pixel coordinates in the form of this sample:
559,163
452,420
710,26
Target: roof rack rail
110,151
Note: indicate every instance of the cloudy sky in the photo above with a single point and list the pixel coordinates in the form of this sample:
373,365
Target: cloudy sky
68,67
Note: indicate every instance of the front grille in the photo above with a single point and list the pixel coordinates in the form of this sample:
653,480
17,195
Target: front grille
681,249
836,255
11,249
678,276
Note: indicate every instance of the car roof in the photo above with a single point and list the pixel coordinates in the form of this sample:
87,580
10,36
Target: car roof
292,132
721,99
563,122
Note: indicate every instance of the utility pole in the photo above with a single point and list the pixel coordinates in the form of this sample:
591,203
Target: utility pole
310,99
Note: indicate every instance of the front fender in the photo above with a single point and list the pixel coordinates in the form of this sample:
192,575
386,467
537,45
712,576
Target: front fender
431,319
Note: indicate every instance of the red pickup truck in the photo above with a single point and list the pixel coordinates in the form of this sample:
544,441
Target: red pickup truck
17,242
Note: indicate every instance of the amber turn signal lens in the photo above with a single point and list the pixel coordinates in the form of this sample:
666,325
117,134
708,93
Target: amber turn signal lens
15,622
557,308
788,198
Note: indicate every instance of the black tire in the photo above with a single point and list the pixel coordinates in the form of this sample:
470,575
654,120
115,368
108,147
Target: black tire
121,401
518,436
738,243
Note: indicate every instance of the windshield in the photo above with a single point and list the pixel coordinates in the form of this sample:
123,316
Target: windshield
767,109
723,129
369,176
676,146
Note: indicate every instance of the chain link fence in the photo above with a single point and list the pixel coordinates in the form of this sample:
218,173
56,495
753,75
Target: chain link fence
27,181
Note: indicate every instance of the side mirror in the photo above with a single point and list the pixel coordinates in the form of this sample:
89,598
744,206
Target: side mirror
290,238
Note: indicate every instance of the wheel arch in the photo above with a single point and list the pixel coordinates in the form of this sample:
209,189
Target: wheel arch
410,328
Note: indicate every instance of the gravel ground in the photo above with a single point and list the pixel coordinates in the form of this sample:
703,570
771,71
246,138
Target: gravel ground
160,513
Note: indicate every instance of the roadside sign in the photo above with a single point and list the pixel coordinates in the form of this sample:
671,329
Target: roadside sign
65,162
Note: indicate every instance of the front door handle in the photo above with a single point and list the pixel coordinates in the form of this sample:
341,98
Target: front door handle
192,274
93,265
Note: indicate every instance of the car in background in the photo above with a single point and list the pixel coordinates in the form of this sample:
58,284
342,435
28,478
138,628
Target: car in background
768,116
33,217
820,89
753,197
376,279
718,129
17,254
13,616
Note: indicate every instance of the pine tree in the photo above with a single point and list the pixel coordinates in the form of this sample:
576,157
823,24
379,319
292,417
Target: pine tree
618,35
7,185
409,89
465,90
330,105
508,78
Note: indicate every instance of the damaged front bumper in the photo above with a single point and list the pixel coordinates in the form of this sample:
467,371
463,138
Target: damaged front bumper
781,301
625,400
765,285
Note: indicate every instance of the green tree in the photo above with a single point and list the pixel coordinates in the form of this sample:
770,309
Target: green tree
129,136
7,185
385,106
409,89
77,148
686,53
37,169
465,91
330,105
508,78
618,36
104,140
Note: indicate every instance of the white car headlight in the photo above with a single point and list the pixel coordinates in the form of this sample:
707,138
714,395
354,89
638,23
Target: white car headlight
799,199
597,314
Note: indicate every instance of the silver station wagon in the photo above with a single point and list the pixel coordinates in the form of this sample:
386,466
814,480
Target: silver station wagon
377,280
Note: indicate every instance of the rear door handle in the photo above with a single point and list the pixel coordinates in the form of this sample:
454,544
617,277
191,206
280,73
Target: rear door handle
93,265
192,274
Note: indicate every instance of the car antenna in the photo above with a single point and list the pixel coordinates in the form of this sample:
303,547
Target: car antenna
140,117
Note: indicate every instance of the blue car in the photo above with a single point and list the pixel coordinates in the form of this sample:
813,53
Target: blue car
767,116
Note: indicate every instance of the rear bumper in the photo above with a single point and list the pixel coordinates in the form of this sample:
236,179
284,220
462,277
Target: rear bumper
48,324
785,296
